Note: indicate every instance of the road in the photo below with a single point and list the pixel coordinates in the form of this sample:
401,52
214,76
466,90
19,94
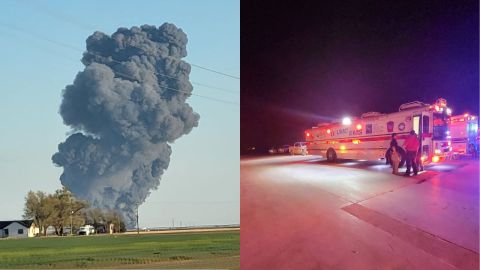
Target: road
304,213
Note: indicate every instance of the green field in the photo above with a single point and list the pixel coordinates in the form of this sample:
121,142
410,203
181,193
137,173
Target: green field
183,250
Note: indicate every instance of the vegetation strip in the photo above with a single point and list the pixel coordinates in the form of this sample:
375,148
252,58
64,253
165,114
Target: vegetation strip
120,249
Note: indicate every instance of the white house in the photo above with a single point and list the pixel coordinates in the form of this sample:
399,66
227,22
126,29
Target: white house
18,228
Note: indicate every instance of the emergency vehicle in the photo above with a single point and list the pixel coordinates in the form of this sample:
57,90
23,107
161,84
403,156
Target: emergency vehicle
368,137
464,134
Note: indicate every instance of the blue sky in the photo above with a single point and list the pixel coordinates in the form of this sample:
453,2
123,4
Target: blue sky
42,44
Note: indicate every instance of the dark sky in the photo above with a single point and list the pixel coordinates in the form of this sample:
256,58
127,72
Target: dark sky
305,63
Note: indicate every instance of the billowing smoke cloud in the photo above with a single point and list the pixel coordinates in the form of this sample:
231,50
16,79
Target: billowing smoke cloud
124,108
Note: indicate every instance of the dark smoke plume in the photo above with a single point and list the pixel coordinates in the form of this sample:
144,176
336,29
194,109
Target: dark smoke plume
124,108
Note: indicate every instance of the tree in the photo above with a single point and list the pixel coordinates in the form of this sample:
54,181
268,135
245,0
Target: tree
37,208
113,217
103,218
56,209
65,208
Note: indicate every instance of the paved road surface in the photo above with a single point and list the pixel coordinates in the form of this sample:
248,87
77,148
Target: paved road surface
302,213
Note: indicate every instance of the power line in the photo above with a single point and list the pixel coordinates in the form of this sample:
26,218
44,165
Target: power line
181,91
13,27
214,71
70,20
120,73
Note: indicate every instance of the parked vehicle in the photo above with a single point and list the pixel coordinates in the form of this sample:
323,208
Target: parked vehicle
464,134
283,149
86,230
368,137
298,148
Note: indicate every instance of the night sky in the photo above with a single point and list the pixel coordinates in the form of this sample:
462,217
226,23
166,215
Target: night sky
304,64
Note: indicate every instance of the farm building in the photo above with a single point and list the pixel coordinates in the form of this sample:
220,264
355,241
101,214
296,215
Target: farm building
18,228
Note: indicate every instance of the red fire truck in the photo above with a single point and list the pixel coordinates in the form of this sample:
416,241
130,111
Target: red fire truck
368,137
464,134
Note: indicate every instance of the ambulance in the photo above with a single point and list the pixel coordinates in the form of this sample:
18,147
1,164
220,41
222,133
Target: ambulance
368,137
464,134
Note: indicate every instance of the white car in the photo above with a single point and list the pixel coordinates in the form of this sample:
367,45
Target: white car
299,148
272,150
86,230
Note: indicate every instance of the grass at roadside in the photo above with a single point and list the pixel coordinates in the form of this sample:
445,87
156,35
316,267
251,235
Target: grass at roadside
131,251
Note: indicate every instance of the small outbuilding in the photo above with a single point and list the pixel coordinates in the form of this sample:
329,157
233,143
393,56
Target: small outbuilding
18,228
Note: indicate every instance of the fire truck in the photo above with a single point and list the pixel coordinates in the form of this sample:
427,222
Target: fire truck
464,134
368,137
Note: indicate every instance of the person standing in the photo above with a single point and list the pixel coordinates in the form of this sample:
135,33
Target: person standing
411,146
395,159
393,144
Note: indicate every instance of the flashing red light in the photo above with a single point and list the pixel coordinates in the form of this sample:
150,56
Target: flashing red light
359,126
328,131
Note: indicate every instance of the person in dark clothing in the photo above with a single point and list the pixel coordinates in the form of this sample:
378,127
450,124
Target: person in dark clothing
393,142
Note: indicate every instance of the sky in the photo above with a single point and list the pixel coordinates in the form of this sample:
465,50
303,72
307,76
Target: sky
311,62
42,44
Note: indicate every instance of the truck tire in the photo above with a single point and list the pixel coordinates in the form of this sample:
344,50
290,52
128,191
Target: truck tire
331,155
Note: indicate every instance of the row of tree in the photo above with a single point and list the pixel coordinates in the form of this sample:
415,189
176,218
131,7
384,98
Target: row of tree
61,210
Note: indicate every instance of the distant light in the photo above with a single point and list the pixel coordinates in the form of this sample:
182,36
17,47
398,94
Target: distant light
308,134
437,151
473,117
449,143
437,108
435,159
356,141
347,121
465,115
449,111
329,131
424,158
359,126
342,147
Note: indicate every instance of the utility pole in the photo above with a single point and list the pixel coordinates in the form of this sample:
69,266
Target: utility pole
138,229
71,214
71,222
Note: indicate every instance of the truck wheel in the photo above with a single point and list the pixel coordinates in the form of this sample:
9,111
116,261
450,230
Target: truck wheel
331,155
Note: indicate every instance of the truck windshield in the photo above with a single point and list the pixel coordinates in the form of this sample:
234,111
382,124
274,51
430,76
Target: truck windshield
439,126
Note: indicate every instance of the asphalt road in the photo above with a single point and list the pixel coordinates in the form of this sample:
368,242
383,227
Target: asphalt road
303,213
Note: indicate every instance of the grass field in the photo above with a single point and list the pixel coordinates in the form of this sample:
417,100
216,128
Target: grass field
213,250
